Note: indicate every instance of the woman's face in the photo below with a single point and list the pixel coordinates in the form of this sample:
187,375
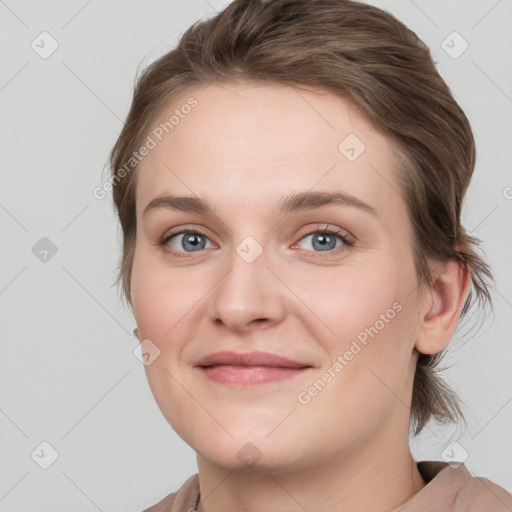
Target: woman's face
340,303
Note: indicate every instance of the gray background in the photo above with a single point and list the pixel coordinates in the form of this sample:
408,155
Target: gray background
68,373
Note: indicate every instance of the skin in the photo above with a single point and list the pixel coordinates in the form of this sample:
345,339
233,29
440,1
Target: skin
243,148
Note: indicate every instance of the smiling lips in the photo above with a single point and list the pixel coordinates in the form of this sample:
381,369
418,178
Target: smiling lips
250,368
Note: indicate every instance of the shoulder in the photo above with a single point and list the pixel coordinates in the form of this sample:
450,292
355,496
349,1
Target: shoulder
480,493
455,487
183,500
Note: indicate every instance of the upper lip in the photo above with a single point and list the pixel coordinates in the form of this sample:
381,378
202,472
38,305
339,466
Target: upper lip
248,359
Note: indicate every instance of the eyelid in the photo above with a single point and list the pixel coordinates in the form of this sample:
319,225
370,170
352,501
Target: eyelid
327,228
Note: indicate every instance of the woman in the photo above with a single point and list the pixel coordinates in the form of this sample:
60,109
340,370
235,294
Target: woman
289,182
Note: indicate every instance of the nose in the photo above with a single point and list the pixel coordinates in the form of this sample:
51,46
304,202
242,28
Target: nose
248,295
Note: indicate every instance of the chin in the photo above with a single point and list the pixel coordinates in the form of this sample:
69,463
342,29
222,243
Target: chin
252,453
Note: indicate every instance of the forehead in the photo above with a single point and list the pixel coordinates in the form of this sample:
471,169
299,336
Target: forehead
257,141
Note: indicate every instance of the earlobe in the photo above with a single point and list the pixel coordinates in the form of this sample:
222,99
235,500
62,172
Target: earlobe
448,295
136,333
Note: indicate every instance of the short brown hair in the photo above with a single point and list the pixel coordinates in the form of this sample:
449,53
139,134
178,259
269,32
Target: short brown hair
370,58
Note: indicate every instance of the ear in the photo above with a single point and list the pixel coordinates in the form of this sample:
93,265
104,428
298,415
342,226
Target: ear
136,333
441,310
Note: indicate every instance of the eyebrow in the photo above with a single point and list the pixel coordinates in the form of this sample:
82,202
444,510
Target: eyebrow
292,203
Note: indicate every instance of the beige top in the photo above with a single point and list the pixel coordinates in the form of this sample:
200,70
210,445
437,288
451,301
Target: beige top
447,489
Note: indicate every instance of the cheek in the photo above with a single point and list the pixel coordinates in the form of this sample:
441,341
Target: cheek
161,298
146,297
367,315
367,357
348,299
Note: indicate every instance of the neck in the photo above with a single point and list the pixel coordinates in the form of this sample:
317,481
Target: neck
380,477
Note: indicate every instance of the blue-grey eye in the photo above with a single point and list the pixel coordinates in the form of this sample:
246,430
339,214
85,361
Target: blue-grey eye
323,241
189,242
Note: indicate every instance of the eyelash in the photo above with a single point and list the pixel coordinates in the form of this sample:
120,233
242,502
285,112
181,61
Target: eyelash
336,232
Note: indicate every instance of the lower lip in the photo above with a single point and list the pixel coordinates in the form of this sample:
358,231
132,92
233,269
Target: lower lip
249,375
